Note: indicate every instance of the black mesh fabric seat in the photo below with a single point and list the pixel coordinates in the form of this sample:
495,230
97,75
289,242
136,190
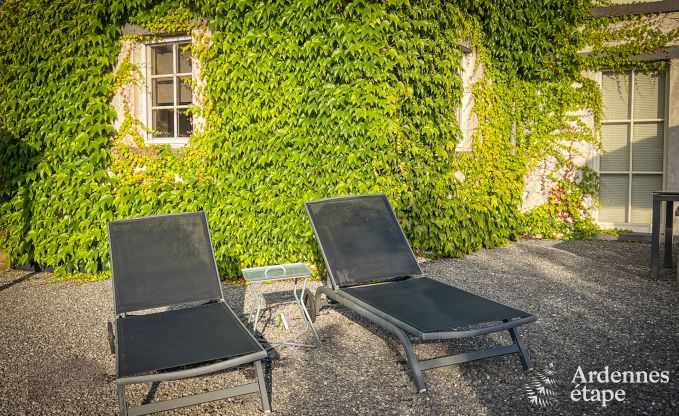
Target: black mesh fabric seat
429,305
166,261
180,337
373,271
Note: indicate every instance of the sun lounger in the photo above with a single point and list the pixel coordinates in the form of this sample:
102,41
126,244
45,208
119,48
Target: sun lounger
372,270
166,262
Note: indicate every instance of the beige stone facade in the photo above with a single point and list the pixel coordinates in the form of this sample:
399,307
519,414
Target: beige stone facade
537,187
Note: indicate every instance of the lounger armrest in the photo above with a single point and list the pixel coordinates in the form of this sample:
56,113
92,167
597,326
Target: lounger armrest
428,336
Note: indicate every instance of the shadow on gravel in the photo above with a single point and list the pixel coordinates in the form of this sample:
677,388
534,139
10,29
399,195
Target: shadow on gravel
234,295
45,384
17,281
634,259
346,375
393,348
271,301
589,315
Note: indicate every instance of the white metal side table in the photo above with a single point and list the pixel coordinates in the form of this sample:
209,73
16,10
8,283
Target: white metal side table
295,272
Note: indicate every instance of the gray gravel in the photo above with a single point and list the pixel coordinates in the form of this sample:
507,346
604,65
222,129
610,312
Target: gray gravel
595,303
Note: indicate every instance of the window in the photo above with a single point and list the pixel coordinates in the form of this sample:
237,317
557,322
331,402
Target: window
633,136
169,93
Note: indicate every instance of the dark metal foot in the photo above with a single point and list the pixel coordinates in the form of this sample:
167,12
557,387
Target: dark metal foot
262,387
518,340
122,404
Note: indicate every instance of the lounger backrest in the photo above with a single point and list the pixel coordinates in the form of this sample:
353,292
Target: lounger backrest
360,239
162,260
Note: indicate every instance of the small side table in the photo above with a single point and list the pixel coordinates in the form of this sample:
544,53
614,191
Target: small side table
670,197
294,271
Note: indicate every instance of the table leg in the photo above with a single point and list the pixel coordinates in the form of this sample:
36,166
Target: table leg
655,238
257,307
669,230
305,314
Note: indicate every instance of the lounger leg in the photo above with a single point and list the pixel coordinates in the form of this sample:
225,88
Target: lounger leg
122,404
412,360
262,387
518,340
405,341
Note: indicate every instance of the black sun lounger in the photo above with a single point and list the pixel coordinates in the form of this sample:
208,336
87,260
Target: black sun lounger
166,261
362,242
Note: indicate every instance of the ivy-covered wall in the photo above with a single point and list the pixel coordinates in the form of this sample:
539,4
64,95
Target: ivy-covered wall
301,99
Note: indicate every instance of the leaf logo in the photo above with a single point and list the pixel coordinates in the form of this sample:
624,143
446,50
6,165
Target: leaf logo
541,387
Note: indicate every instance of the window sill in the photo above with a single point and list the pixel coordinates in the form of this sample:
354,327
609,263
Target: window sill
172,141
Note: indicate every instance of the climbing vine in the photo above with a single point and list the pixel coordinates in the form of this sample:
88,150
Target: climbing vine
300,99
615,41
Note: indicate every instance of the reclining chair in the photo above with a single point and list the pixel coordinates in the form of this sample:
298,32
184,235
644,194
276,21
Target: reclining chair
167,261
372,270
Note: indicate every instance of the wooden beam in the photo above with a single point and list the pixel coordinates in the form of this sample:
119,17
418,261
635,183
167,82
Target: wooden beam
648,7
669,52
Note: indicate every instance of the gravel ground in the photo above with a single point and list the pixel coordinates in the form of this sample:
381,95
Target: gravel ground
595,303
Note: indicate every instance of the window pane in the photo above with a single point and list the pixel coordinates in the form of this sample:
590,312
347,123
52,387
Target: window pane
643,187
614,137
647,147
614,189
615,95
162,60
184,91
162,92
163,123
184,127
649,95
184,59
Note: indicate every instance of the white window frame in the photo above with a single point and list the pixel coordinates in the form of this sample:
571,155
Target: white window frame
635,227
147,111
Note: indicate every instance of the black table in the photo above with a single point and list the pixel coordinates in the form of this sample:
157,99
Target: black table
670,197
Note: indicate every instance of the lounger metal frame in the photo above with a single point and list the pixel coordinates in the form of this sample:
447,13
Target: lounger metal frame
190,400
402,330
258,386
